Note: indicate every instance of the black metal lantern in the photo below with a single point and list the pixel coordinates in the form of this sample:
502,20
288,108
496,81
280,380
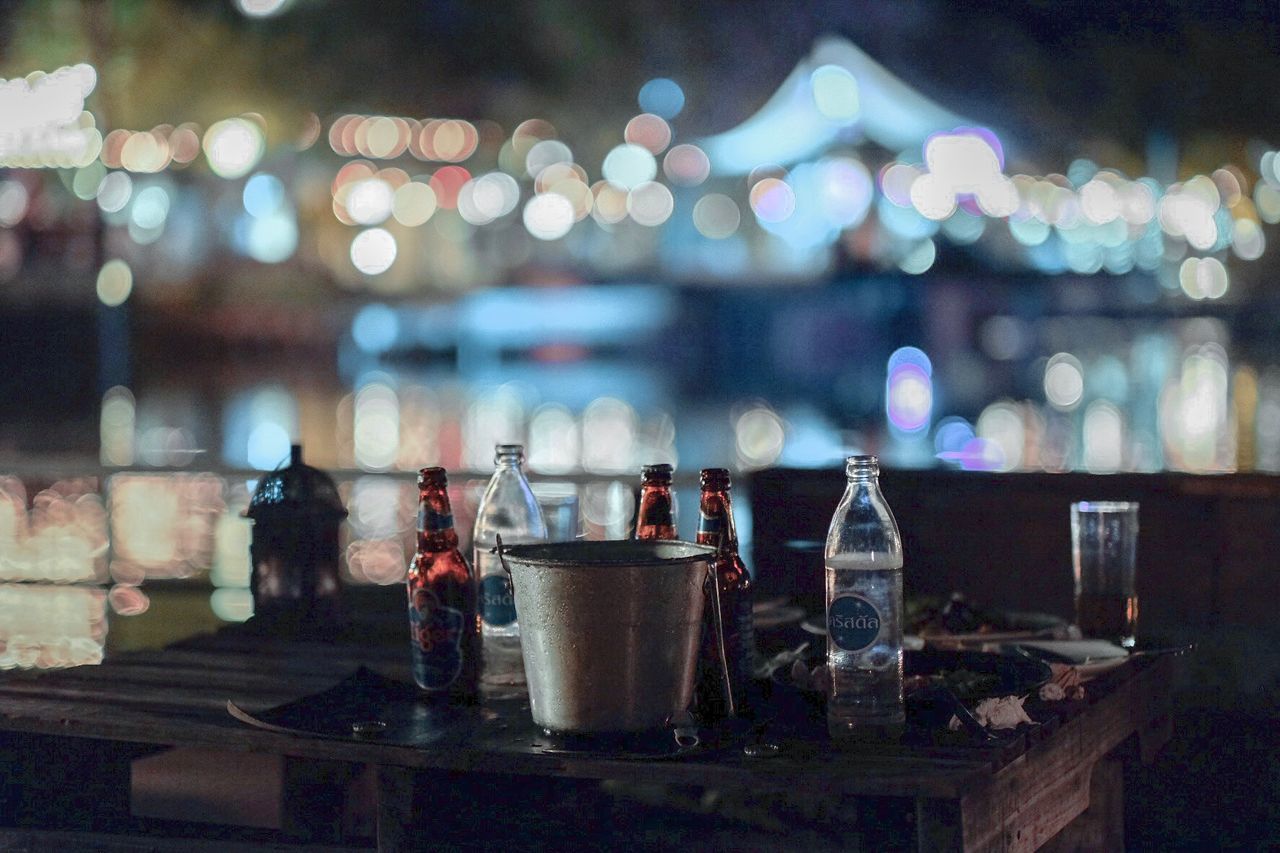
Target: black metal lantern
296,513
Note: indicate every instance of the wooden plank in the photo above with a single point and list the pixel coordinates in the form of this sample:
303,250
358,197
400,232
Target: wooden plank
1101,826
100,842
395,808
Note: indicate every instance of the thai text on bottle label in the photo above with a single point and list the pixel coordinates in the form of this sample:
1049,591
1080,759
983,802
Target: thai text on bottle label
853,623
497,600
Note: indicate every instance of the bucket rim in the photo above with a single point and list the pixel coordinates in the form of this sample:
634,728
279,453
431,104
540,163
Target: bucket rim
530,553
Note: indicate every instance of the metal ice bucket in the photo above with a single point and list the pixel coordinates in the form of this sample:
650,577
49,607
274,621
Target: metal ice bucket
609,630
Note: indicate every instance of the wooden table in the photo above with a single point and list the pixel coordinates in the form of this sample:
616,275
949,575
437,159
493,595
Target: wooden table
70,736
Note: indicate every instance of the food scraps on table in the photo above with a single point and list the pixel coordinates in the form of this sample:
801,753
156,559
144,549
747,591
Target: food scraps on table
1067,678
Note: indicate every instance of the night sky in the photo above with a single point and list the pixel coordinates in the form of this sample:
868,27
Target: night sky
1055,75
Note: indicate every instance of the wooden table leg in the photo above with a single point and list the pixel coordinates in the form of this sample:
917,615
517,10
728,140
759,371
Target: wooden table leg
1100,827
66,782
395,808
313,799
938,826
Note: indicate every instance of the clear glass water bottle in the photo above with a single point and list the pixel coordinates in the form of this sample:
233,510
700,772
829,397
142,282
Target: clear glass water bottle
508,508
864,611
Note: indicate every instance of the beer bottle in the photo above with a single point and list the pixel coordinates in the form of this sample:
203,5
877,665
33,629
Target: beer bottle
656,517
716,528
444,629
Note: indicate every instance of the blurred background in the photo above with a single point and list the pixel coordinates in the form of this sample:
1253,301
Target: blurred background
1015,237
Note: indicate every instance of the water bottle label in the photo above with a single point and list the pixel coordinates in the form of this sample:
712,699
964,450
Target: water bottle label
853,623
436,631
497,600
429,519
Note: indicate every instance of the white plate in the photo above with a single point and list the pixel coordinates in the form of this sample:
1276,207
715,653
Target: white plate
1090,657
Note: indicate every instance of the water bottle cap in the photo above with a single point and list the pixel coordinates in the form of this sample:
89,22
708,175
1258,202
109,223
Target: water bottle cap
861,465
508,452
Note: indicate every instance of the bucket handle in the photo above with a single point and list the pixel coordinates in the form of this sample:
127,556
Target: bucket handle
725,678
497,549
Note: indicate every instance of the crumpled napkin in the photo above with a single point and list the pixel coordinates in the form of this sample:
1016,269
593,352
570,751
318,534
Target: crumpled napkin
1003,712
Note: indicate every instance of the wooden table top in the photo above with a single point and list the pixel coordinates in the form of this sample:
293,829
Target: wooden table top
178,697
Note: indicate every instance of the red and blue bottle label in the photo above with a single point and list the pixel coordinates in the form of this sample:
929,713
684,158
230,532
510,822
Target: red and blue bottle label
429,519
709,525
853,623
436,632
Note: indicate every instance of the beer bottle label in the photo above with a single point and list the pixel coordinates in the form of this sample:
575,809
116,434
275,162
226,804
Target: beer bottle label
429,519
709,525
853,623
497,600
436,631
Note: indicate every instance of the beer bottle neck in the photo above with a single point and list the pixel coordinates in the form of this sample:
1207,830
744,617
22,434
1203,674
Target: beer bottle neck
655,518
435,521
715,521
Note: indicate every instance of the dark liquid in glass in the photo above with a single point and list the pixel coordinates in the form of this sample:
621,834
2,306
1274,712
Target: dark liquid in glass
1108,617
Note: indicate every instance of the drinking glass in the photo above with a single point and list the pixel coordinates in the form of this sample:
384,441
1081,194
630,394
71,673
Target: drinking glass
1104,547
559,503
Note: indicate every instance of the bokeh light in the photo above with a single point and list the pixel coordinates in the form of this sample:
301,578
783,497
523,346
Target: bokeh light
373,251
663,97
758,437
116,426
649,132
233,147
546,152
150,208
773,200
909,390
488,197
14,199
548,216
115,283
835,93
377,426
262,8
716,216
686,165
629,166
413,204
370,201
114,192
1001,439
264,194
920,259
1064,381
650,204
1203,278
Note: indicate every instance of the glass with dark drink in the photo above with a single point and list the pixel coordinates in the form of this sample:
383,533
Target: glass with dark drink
1104,547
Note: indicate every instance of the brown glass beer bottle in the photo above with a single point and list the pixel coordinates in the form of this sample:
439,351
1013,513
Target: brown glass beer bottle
716,528
656,517
444,628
